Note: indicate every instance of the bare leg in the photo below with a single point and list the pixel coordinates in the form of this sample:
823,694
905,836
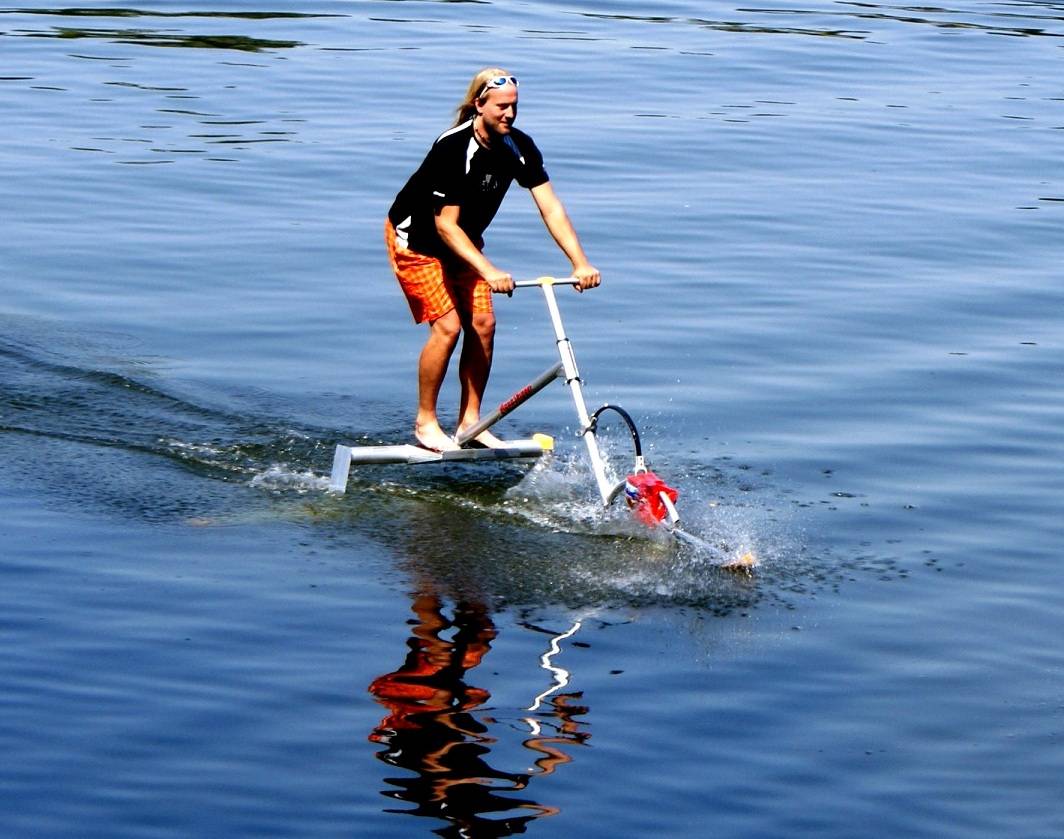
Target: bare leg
432,368
474,367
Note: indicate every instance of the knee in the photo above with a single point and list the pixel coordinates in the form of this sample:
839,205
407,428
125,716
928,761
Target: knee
484,324
446,329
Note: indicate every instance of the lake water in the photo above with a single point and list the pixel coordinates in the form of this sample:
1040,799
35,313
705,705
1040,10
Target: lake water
830,240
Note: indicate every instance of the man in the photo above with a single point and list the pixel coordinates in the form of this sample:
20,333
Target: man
434,235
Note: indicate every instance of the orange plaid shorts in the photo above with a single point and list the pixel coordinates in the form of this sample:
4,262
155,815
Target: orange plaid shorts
433,288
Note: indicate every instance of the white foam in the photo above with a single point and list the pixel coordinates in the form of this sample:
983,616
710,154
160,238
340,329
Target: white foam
281,476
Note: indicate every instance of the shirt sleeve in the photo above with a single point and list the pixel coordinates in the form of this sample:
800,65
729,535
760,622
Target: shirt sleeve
531,173
446,176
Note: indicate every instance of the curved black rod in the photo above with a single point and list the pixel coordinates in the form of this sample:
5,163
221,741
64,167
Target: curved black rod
593,426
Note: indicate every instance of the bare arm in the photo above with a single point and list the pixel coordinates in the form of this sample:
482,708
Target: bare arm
455,238
557,221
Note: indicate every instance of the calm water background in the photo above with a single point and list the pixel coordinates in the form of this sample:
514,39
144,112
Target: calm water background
830,237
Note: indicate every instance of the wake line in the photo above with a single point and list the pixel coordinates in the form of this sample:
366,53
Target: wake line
105,378
59,399
63,400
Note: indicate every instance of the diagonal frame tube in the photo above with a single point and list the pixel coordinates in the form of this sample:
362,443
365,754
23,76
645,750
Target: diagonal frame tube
518,399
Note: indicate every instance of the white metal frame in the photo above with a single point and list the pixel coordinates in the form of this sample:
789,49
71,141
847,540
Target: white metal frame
607,489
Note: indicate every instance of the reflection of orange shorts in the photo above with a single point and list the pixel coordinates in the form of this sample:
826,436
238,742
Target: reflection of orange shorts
433,288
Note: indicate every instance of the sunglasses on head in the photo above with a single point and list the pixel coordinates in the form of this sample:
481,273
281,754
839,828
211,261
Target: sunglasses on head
498,81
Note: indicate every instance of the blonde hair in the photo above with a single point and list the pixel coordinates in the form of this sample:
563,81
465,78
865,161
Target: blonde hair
468,109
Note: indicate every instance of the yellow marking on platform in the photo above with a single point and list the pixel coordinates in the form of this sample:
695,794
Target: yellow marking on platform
545,441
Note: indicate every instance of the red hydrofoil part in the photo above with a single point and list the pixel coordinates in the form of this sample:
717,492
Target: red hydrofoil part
643,492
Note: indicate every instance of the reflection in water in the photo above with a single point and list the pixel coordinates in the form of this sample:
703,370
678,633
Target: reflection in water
560,674
1009,20
162,38
123,129
111,12
431,730
152,38
732,26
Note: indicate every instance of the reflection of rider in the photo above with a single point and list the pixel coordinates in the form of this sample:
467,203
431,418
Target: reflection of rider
431,731
430,680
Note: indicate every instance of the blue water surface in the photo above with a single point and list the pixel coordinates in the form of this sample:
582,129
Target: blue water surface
828,233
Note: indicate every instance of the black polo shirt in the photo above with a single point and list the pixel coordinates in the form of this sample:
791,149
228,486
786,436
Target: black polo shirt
458,170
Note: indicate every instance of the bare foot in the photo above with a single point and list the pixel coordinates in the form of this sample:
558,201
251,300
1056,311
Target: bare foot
488,440
432,437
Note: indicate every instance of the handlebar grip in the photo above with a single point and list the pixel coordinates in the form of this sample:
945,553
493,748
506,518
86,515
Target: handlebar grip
539,281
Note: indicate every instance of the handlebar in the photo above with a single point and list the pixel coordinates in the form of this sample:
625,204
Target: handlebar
541,281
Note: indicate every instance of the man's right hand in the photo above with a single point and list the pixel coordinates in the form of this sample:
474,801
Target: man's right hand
500,282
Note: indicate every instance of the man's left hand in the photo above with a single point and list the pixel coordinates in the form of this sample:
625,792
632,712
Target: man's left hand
588,277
